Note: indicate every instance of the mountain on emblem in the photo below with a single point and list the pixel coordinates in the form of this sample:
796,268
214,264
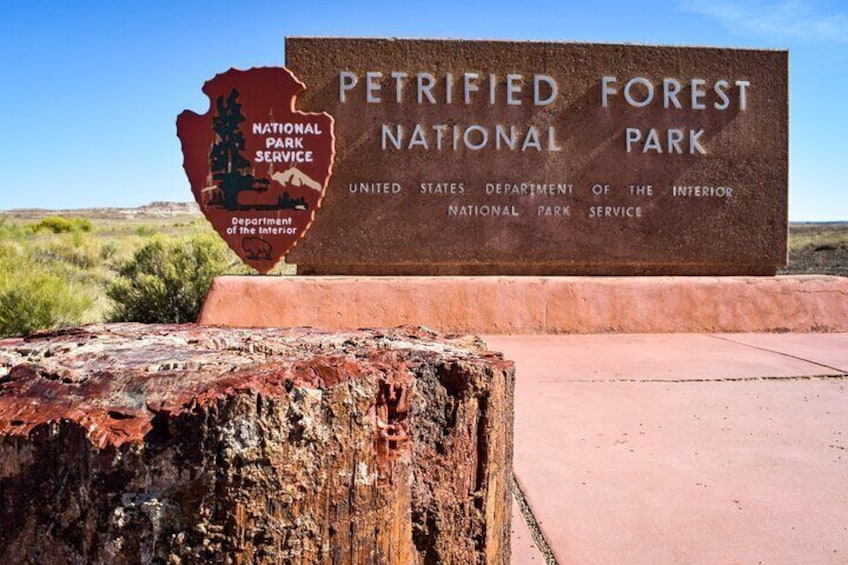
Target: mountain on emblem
296,177
257,167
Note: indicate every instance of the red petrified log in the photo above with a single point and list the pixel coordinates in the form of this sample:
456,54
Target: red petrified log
185,444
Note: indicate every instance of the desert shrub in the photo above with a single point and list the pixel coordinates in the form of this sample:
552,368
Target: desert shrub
59,224
108,250
34,298
75,250
10,231
166,280
145,231
9,249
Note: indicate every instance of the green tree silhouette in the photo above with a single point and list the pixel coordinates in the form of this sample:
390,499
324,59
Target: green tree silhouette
228,166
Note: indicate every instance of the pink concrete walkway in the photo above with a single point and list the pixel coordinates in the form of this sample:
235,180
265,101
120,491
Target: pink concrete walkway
682,448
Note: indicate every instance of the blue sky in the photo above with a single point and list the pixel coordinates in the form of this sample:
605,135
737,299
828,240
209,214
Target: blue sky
91,90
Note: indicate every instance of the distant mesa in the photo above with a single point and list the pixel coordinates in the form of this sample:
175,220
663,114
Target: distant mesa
152,210
295,177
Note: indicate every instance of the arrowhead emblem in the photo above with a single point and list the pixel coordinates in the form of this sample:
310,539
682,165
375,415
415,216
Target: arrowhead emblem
258,167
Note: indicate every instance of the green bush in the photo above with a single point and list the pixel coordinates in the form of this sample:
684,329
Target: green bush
10,231
166,280
32,298
145,231
9,249
108,250
58,224
76,250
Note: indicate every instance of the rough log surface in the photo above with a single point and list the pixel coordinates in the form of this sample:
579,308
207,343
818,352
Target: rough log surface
184,444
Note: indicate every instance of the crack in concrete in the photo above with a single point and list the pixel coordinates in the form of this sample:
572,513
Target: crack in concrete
730,340
530,519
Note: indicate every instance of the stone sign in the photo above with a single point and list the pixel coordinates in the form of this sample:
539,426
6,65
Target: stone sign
257,167
486,157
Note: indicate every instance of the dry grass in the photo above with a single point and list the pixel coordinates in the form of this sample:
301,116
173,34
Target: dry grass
818,248
817,234
77,266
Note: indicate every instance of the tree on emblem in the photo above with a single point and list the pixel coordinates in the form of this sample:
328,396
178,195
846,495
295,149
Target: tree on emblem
229,168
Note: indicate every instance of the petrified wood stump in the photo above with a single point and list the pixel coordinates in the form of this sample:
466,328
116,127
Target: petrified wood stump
185,444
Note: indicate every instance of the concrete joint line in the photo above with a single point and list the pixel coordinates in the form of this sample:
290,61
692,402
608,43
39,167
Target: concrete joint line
530,519
837,369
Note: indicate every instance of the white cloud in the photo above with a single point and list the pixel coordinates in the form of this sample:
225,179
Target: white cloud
784,18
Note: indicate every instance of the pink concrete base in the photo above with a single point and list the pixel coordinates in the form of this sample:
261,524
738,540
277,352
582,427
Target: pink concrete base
535,305
641,450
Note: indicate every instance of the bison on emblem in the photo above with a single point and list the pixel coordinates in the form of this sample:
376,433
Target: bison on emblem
256,249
